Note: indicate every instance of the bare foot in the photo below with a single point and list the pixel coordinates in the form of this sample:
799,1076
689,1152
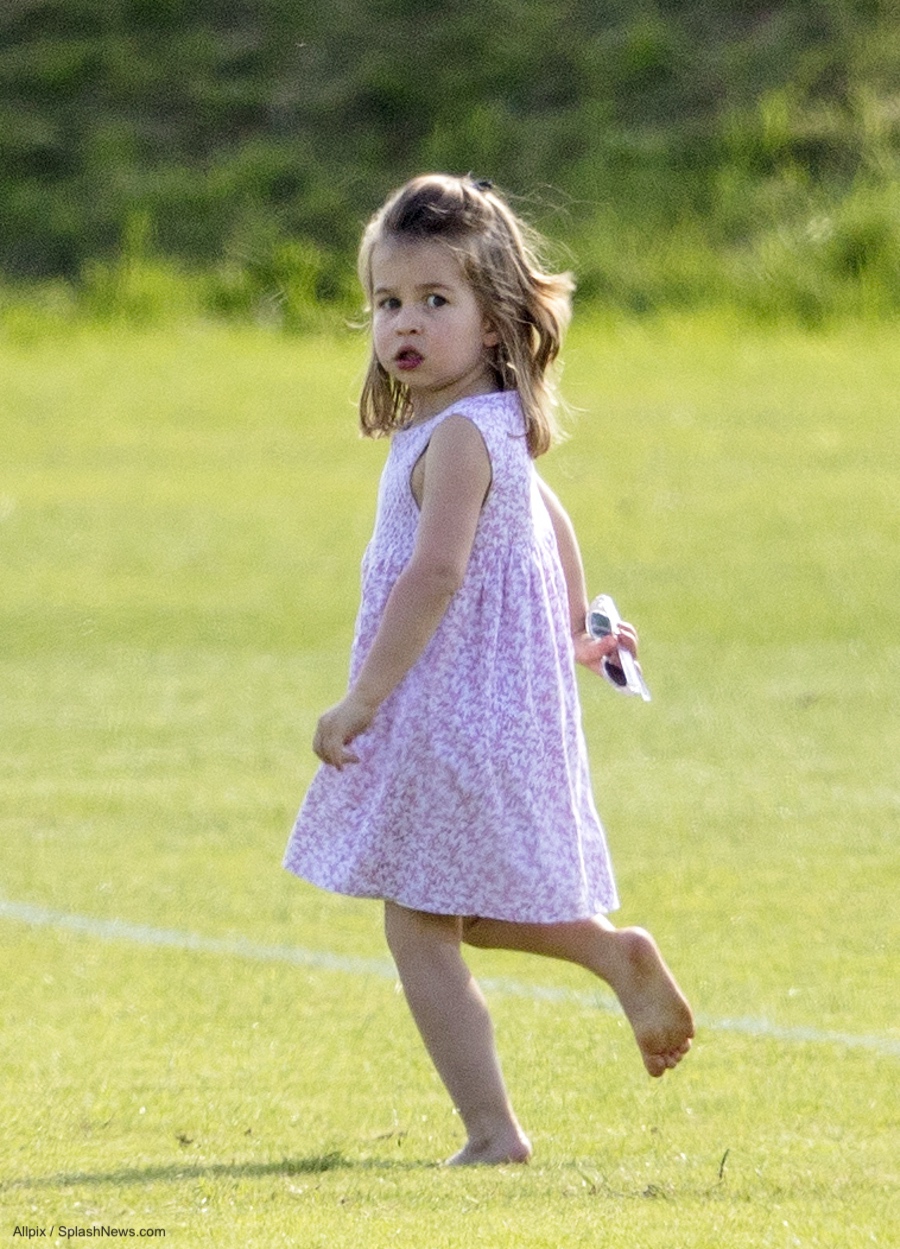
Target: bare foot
656,1008
515,1147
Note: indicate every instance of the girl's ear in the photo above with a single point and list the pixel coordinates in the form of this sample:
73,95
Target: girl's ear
490,337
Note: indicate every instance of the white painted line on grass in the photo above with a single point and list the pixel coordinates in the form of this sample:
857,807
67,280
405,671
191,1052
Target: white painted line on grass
240,947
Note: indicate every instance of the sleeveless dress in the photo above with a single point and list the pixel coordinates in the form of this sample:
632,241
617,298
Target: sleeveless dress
472,795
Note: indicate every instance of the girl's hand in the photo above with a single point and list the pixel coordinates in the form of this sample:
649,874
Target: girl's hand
338,727
591,652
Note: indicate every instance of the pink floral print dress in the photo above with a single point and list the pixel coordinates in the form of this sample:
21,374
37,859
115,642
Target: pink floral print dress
472,795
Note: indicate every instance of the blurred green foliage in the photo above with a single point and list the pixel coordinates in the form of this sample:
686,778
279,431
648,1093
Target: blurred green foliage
687,152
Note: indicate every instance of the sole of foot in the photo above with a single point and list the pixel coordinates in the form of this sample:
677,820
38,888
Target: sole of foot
656,1008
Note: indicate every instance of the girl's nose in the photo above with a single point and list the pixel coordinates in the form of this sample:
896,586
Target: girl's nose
409,321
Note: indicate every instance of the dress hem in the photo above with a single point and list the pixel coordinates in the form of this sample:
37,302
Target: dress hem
466,912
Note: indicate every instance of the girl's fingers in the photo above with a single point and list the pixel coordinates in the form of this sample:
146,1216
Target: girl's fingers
335,756
334,733
592,651
626,636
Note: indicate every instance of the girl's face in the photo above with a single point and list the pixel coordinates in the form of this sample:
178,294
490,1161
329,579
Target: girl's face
429,331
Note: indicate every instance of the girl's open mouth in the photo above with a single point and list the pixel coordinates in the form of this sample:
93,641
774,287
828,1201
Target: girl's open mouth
407,359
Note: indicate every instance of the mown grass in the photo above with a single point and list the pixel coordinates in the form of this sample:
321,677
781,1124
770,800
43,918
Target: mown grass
183,515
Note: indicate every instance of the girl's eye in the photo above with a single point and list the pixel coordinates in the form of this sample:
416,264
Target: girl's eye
435,301
389,302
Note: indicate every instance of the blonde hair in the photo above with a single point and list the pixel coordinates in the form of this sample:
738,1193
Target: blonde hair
526,307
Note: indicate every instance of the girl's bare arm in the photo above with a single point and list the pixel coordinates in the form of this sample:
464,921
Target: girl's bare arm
456,480
588,651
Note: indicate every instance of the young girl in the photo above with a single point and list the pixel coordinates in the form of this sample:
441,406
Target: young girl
455,782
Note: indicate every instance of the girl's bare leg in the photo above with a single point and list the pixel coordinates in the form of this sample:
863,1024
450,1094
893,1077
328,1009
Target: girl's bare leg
628,959
452,1017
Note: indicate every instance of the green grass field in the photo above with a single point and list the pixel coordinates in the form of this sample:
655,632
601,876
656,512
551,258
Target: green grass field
194,1042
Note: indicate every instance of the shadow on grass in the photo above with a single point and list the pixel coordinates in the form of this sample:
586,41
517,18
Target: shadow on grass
316,1164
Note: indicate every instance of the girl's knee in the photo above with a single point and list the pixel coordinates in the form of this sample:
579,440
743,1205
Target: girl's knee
404,926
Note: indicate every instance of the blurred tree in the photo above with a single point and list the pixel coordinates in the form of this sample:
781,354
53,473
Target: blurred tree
233,126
